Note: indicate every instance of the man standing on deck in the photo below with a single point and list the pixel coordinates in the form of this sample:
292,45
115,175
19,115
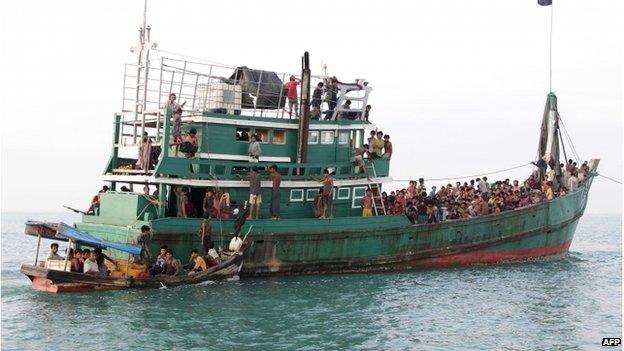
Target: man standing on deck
387,148
255,198
328,193
142,239
276,180
254,150
367,204
291,88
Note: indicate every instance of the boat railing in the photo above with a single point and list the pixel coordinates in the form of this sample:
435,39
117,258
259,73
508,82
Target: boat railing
220,170
217,88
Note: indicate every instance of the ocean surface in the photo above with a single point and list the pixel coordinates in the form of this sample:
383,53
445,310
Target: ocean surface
568,304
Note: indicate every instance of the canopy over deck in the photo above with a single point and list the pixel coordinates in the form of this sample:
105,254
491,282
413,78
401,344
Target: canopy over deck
65,232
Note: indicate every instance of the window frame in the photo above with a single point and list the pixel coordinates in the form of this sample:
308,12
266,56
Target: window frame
268,135
355,189
293,191
346,142
333,138
314,191
318,137
348,196
283,136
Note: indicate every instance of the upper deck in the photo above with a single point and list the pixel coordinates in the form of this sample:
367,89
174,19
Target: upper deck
211,90
225,104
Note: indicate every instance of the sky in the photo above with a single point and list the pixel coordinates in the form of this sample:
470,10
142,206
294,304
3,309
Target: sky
459,85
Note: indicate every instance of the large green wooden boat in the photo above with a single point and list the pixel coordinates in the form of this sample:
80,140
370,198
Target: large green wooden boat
226,103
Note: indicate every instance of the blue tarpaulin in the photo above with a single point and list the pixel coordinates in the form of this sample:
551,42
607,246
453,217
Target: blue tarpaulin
67,232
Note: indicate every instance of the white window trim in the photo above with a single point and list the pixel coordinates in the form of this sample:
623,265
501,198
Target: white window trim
346,141
323,140
318,136
344,197
355,189
273,137
297,200
314,193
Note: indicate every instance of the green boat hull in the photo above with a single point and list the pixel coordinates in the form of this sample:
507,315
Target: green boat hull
359,244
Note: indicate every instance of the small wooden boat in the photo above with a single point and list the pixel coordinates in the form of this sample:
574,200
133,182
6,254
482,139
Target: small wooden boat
57,278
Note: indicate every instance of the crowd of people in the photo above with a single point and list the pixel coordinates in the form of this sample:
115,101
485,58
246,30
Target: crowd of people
93,261
478,197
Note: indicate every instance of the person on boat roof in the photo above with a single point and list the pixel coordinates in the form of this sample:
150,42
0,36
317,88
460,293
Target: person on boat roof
90,264
198,262
387,154
176,114
291,88
95,201
377,145
53,254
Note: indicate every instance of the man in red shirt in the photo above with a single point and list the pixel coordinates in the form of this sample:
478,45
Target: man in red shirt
291,88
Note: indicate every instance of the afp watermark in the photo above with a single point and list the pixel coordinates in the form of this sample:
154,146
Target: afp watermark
611,341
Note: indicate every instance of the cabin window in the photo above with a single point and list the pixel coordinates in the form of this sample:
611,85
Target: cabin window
327,137
344,193
311,194
313,137
242,134
296,195
358,194
263,134
279,136
343,138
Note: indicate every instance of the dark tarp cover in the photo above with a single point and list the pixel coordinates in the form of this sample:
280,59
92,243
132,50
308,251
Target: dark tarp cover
270,88
548,147
66,232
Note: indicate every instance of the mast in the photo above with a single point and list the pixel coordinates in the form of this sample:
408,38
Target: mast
304,120
143,49
548,146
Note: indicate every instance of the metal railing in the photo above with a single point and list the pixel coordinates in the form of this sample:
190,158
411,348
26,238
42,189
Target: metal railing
216,88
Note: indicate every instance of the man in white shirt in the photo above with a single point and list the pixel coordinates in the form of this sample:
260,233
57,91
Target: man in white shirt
572,182
90,264
53,255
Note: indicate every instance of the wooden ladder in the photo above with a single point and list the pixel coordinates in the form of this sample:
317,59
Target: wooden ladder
378,205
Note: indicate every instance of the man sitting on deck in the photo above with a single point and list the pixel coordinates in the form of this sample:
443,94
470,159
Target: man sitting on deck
77,264
172,267
90,264
53,254
198,262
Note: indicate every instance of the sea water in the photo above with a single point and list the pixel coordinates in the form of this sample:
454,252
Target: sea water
567,304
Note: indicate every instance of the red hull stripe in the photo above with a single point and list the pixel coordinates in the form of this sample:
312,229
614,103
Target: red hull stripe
490,257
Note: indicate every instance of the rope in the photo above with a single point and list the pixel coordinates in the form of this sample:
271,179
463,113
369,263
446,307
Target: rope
469,176
551,41
565,131
611,179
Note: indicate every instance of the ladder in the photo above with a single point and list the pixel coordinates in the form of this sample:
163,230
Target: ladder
378,205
